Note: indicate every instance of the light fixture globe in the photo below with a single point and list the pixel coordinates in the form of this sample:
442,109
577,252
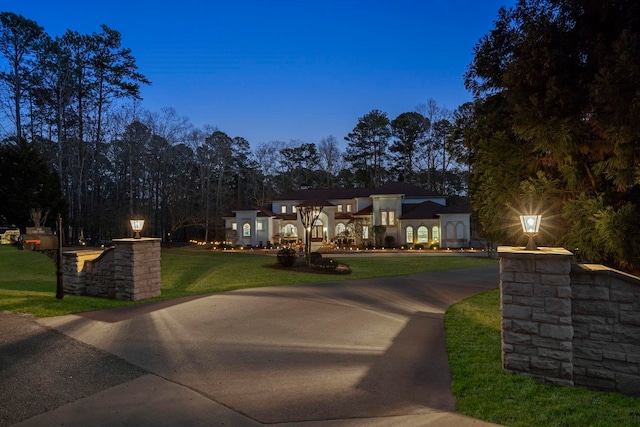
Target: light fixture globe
530,227
136,226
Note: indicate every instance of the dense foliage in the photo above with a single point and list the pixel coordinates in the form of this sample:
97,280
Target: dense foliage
556,129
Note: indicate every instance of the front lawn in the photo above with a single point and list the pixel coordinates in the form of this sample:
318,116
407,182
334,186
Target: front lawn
483,390
28,279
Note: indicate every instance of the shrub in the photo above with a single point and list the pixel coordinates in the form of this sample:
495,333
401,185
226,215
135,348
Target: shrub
315,257
418,247
389,241
435,247
287,257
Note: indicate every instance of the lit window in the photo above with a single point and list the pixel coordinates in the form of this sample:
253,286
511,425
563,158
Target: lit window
388,217
234,226
294,209
348,208
259,226
339,208
246,230
340,228
365,231
435,233
409,234
423,234
283,209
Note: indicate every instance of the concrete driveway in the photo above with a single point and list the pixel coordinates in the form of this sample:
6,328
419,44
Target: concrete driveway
367,352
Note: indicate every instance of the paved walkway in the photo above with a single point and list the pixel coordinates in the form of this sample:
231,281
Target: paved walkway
354,353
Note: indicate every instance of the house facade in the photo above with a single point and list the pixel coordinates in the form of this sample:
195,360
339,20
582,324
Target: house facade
409,215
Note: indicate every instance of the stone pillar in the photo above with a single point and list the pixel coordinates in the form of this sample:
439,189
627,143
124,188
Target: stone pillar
137,268
535,300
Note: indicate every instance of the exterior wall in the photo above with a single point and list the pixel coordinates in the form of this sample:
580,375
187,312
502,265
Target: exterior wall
569,325
247,217
130,271
455,230
392,202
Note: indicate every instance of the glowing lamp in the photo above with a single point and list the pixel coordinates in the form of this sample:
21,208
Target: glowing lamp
530,227
136,226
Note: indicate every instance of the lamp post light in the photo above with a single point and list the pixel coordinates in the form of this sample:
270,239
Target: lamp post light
530,226
136,226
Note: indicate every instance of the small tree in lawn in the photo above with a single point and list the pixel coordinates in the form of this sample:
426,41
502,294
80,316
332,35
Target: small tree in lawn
309,211
378,234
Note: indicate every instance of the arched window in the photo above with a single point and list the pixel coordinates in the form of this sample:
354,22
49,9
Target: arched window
435,233
340,229
423,234
409,234
246,230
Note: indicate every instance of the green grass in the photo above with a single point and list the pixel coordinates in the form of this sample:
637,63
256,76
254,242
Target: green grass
483,390
28,279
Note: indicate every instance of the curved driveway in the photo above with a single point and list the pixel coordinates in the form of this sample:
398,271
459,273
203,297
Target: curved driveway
352,350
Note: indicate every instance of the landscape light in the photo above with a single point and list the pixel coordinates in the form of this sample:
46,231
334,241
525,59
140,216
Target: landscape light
136,226
530,226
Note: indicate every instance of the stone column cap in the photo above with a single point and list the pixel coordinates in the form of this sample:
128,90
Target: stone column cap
543,251
142,239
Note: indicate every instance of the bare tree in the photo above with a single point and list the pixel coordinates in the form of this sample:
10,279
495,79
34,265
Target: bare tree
331,159
309,211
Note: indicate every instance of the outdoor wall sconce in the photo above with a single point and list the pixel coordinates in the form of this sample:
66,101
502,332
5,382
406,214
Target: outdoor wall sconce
530,226
136,226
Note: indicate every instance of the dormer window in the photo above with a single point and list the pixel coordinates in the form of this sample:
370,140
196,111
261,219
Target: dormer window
283,209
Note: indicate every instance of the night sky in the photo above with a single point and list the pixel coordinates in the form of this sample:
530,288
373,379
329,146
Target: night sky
286,70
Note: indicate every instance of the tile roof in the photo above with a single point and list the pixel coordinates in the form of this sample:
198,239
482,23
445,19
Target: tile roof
262,211
400,187
409,190
426,210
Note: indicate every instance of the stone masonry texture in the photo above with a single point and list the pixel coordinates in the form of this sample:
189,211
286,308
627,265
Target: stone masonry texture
569,324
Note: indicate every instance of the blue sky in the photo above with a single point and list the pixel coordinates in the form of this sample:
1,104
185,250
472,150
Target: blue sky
286,70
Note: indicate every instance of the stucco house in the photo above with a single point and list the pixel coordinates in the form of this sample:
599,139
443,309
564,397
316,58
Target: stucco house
410,215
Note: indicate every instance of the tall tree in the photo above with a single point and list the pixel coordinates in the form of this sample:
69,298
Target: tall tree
410,130
331,160
432,147
19,42
300,161
367,149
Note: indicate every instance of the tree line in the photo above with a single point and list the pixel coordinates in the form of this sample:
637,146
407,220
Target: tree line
74,101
